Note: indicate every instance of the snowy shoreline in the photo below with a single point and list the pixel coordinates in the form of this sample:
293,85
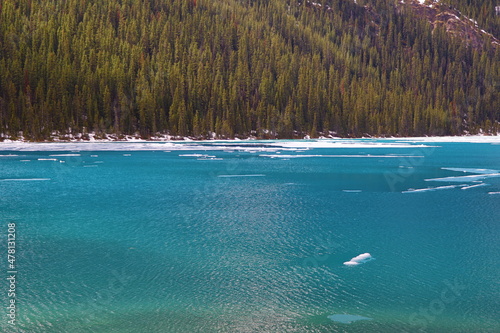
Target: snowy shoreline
166,144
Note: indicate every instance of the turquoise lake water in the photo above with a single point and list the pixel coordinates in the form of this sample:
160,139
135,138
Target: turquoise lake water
252,236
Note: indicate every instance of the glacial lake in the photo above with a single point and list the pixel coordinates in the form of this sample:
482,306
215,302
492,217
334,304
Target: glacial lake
333,235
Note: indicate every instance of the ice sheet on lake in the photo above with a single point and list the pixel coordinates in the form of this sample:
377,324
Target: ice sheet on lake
248,145
346,318
244,145
360,259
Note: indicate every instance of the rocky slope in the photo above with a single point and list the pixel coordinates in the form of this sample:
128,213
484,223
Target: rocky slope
440,14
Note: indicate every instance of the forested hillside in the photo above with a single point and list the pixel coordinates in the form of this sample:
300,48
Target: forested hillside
267,68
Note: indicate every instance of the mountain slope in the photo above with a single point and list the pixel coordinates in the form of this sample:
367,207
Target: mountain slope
238,68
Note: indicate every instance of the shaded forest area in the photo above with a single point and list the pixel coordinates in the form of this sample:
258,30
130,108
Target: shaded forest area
270,69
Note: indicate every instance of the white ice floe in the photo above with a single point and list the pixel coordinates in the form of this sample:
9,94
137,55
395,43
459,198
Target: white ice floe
234,176
460,179
192,155
343,143
472,186
202,157
448,187
24,179
472,170
346,318
360,259
479,175
65,155
340,156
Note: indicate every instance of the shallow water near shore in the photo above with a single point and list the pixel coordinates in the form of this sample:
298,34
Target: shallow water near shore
252,236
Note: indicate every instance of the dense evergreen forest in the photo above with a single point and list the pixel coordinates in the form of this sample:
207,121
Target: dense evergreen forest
267,68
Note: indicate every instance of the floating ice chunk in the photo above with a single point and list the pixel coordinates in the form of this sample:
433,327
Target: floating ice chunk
470,178
64,155
342,143
351,263
360,259
210,159
340,156
472,186
346,318
433,188
232,176
471,170
24,179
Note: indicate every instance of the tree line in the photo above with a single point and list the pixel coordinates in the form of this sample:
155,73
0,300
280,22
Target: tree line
271,69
